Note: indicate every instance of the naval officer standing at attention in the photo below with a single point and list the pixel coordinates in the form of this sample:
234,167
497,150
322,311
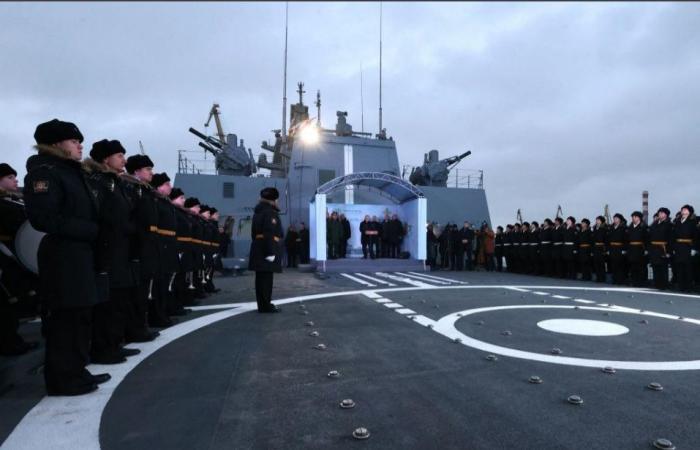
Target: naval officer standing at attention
266,248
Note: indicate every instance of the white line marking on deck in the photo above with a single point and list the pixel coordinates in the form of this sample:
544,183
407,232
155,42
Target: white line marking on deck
420,278
405,280
449,280
357,280
540,293
393,305
376,280
563,297
405,311
383,300
580,300
518,289
371,294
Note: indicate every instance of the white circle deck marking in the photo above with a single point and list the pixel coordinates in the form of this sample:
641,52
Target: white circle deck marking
446,327
582,327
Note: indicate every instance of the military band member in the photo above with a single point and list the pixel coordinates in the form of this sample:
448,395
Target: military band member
266,249
193,206
183,295
18,285
660,247
684,233
585,250
146,252
104,166
163,303
60,203
569,250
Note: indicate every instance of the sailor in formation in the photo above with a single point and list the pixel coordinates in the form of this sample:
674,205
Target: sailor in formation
624,251
123,253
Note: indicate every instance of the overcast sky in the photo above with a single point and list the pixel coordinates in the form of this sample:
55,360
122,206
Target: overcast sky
577,104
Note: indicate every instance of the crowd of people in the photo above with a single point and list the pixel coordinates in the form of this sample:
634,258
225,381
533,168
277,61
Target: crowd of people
124,254
466,248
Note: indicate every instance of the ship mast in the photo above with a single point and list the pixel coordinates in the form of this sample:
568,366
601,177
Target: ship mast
380,68
362,100
284,83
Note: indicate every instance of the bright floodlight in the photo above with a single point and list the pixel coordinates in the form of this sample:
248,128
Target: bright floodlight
309,134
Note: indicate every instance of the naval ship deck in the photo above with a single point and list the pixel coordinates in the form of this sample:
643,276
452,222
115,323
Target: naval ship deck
411,350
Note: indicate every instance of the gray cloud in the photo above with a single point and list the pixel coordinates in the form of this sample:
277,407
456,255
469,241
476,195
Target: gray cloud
575,104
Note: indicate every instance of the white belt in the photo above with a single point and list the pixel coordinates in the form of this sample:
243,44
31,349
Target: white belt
534,243
546,242
507,245
569,243
558,243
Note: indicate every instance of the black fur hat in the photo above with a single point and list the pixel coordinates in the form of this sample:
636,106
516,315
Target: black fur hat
159,179
6,169
105,148
55,131
136,162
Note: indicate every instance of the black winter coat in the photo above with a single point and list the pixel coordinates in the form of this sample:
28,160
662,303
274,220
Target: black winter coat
167,235
636,242
266,235
660,241
684,233
117,229
184,240
145,219
60,203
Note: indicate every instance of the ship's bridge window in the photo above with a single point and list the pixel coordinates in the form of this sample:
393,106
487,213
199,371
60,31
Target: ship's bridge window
228,189
325,175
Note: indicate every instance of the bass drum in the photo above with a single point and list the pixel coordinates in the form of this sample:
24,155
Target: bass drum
27,242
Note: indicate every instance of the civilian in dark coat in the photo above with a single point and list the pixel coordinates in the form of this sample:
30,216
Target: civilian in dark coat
366,238
303,244
291,242
347,233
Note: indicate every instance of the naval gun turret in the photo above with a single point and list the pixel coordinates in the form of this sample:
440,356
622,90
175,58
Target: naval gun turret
232,158
434,171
